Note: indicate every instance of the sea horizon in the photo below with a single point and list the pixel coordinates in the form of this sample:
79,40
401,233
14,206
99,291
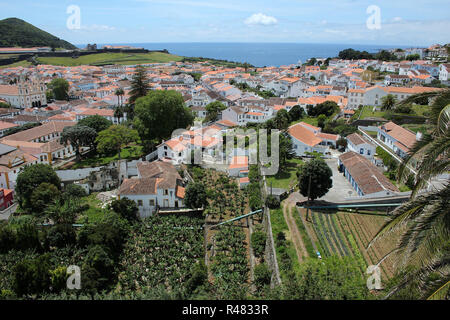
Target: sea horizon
259,54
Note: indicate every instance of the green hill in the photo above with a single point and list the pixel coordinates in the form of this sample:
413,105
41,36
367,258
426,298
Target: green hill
15,32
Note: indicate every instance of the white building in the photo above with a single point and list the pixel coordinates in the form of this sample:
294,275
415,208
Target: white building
158,185
360,145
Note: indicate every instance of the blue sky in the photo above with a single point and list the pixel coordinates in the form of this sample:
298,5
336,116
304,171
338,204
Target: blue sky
403,22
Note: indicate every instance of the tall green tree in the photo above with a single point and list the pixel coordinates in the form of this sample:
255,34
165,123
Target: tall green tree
139,84
319,174
60,88
213,109
30,178
96,122
281,120
296,113
196,196
78,136
423,252
115,138
119,94
159,113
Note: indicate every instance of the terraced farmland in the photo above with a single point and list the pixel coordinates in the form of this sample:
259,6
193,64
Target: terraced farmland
348,234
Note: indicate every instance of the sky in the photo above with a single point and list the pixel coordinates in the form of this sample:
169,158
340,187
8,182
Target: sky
399,22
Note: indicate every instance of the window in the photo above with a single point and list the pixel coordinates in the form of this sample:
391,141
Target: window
151,202
361,151
166,192
368,152
140,204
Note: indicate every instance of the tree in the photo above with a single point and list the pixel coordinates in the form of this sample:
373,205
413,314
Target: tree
60,88
30,178
139,84
126,208
327,108
213,109
32,276
159,113
286,149
96,122
424,221
115,138
78,136
97,269
388,102
319,173
196,196
74,191
281,120
43,196
296,113
119,94
321,121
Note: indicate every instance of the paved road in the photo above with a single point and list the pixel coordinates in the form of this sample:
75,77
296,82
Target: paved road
341,188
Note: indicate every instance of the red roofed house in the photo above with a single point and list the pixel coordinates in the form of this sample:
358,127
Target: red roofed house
396,138
364,176
307,138
158,185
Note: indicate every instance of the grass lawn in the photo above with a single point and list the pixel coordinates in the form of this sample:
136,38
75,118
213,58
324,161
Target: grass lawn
111,58
286,176
23,63
367,111
418,127
95,211
310,120
132,152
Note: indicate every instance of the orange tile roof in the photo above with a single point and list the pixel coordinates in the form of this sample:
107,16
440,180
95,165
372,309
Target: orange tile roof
304,135
239,162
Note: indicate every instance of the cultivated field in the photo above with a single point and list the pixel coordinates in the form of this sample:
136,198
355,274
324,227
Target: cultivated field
111,58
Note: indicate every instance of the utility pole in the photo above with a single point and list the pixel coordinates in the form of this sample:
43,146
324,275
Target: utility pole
309,192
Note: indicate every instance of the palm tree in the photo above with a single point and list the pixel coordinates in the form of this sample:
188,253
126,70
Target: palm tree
423,252
388,102
120,93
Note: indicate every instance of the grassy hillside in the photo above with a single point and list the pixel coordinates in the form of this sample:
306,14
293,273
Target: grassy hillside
16,32
111,58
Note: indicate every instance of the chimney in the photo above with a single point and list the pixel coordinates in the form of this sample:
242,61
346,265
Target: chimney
419,136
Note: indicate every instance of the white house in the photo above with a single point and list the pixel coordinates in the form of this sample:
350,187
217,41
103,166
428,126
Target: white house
158,185
360,145
307,138
444,70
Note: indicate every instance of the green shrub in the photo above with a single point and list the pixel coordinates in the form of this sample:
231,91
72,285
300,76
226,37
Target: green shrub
258,241
272,202
262,275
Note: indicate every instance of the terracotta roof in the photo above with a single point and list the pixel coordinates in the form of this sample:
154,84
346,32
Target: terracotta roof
367,176
7,125
304,135
138,186
9,90
43,130
404,136
239,162
180,192
357,139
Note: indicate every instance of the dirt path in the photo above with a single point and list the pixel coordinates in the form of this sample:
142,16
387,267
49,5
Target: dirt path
296,238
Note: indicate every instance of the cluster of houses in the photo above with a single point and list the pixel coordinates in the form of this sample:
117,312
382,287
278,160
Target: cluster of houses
94,90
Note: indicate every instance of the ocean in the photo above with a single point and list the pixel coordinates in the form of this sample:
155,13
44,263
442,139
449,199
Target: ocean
257,54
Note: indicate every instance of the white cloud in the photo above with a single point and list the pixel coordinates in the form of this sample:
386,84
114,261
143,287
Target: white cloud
261,19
